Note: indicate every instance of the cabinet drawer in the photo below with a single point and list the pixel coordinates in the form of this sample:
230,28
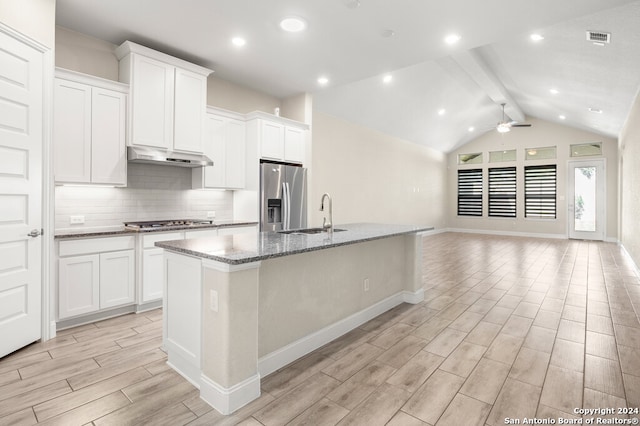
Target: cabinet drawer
150,240
95,245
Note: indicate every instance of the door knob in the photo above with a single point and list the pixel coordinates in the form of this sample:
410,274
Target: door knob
34,233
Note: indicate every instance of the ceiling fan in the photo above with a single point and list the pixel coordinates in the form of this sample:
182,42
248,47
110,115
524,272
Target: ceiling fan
504,126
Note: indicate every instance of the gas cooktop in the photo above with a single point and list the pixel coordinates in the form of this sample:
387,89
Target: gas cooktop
159,224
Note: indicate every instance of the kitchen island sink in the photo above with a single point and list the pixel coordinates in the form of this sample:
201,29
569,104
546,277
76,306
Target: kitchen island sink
239,307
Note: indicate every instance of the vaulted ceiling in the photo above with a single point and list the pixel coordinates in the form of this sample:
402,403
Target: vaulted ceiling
437,91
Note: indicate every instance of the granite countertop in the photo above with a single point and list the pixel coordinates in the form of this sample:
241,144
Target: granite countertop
246,248
121,230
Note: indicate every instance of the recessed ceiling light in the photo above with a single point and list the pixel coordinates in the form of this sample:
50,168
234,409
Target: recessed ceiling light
323,81
387,78
293,24
452,39
388,33
562,117
238,41
536,37
554,91
595,110
442,111
471,129
352,4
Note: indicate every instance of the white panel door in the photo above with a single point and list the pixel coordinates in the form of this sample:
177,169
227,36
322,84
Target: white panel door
152,103
21,133
189,110
71,131
108,143
117,278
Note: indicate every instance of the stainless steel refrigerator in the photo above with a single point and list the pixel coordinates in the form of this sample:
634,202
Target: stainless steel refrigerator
283,197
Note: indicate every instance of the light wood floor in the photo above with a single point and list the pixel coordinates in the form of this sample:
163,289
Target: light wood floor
510,328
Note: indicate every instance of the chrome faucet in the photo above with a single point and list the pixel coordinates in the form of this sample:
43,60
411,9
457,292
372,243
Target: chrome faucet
327,226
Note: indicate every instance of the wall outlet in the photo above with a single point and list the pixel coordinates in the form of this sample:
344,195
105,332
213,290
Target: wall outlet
76,220
365,284
211,214
213,300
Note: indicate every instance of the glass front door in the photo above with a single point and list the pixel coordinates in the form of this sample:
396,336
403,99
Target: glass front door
587,200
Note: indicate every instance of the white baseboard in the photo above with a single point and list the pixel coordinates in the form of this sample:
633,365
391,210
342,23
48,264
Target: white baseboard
287,354
413,297
433,232
513,234
507,233
630,258
228,400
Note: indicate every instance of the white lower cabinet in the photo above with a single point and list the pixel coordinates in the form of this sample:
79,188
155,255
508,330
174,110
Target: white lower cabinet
153,274
152,268
117,278
78,285
95,274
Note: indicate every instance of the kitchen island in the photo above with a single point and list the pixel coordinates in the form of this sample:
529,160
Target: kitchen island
239,307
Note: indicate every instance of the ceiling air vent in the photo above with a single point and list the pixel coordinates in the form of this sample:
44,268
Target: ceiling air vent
599,37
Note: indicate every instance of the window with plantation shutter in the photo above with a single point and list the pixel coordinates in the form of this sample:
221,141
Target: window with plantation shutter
502,192
470,192
540,191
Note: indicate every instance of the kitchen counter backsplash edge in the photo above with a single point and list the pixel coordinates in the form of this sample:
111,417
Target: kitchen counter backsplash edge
121,230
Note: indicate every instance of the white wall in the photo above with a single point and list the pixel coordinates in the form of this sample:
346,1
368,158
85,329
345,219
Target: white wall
629,153
541,134
374,177
228,95
34,18
153,192
86,54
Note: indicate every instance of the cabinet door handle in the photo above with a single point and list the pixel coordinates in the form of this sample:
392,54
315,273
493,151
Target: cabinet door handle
34,233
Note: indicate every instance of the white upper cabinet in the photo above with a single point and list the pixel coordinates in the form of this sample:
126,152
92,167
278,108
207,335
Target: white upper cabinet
89,130
168,98
190,107
276,138
235,154
152,89
271,140
108,137
225,145
294,144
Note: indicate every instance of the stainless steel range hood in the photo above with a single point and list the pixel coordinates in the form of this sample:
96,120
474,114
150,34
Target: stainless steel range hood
148,155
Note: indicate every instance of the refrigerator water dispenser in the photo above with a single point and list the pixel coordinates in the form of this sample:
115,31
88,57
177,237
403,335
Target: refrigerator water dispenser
274,210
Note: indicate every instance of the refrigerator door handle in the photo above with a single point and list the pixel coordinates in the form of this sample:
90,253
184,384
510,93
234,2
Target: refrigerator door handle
288,206
285,206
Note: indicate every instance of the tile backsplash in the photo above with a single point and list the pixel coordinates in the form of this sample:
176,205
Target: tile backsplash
152,192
